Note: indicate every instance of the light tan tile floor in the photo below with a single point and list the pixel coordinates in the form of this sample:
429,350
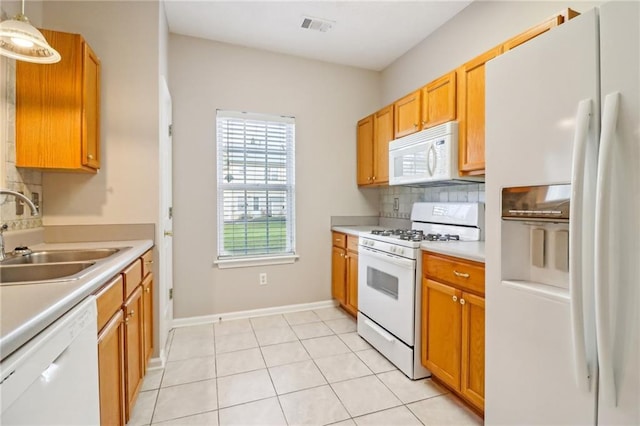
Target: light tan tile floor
301,368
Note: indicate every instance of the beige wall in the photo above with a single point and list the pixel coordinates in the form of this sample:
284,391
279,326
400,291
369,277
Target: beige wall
125,37
326,100
479,27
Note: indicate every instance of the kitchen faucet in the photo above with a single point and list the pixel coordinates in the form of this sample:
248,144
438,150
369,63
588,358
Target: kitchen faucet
34,212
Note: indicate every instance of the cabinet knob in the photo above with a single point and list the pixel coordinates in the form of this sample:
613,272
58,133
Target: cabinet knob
149,262
462,302
131,312
168,234
415,125
424,123
460,274
147,290
373,178
455,298
90,156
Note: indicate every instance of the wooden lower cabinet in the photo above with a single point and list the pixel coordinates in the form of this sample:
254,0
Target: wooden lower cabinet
442,322
344,271
338,275
472,380
147,317
111,371
134,347
125,339
453,322
352,283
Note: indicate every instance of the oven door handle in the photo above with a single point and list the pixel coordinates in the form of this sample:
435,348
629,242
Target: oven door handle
375,327
389,258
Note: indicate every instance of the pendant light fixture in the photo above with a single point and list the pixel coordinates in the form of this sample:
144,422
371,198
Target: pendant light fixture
22,41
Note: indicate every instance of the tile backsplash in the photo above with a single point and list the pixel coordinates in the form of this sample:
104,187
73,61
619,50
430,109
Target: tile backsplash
406,196
23,180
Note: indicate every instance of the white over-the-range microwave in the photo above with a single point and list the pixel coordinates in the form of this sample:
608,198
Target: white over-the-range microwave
428,157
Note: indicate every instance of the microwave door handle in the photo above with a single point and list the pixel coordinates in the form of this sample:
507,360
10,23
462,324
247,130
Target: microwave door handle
431,154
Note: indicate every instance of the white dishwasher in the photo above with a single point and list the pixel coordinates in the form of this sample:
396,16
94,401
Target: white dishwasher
53,379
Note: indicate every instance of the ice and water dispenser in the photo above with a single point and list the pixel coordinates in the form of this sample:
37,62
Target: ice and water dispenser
535,235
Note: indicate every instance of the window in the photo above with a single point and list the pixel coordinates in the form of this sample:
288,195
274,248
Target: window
256,204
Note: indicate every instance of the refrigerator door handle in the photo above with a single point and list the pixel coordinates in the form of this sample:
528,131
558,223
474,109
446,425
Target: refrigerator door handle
576,278
603,217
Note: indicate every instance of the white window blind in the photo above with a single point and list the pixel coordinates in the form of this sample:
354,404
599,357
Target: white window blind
256,192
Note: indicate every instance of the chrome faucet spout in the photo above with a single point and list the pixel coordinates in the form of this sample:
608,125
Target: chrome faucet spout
34,212
34,209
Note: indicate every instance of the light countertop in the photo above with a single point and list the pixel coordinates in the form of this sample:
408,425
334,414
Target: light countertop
462,249
27,309
355,229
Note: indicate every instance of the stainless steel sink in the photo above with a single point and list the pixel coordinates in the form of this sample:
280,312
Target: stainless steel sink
56,256
42,273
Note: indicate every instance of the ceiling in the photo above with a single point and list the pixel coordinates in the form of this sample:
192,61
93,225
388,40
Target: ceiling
363,34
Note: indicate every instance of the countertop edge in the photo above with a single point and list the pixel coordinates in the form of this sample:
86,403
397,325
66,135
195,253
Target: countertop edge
473,251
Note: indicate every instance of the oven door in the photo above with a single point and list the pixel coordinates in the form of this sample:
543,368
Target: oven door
386,291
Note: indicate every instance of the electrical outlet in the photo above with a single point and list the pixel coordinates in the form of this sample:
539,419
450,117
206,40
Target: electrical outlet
396,204
263,278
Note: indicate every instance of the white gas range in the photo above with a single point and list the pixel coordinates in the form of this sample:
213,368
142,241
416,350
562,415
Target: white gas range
389,284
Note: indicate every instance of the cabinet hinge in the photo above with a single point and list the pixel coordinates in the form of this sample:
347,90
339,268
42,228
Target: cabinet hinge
170,212
170,294
170,129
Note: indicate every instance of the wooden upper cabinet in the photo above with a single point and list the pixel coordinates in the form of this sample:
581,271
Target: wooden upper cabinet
439,101
58,108
541,28
471,113
383,134
365,150
406,115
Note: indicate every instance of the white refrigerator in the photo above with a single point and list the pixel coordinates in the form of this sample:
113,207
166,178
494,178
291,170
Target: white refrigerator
563,298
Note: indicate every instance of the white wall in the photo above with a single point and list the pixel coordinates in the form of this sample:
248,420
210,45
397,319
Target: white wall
477,28
125,36
326,100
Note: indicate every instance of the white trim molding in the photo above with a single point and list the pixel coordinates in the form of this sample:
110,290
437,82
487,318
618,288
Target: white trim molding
210,319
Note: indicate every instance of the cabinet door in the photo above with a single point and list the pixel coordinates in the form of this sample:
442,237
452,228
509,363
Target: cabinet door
406,115
382,135
441,331
365,150
91,119
147,318
111,371
471,113
352,282
439,101
472,383
134,335
338,274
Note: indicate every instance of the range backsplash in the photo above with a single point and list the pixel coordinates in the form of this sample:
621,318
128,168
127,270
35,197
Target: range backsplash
23,180
406,196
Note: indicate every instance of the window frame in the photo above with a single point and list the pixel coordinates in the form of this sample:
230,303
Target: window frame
224,258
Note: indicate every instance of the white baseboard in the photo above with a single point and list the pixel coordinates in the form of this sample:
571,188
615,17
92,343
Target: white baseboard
209,319
159,362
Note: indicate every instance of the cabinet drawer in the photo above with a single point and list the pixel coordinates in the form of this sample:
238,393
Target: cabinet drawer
109,300
132,277
339,239
461,273
147,262
352,243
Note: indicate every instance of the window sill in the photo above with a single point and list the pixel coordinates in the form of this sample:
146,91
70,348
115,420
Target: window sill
255,261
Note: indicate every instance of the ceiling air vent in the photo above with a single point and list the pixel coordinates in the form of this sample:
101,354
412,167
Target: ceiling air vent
316,24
